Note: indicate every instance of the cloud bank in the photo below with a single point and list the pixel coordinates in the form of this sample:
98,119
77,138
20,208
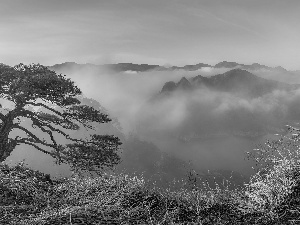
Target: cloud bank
210,128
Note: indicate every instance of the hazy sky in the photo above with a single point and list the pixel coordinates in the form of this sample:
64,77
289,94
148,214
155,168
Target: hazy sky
150,31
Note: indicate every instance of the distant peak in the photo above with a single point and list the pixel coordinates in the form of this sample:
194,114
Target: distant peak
226,64
124,66
199,77
70,63
169,86
280,68
256,64
184,83
65,64
238,72
183,79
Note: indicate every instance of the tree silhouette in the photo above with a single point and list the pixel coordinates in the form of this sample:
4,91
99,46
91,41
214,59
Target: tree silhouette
49,103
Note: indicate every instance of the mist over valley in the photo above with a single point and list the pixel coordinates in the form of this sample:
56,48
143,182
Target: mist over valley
178,119
149,112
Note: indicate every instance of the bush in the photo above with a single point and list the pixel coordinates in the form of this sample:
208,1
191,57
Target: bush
271,197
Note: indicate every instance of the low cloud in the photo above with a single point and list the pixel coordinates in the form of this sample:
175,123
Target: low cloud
212,129
203,114
204,111
123,94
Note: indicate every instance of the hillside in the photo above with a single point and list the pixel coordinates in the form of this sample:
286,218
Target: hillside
271,197
236,81
234,103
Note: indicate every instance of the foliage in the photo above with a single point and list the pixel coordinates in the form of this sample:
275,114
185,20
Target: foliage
277,178
29,197
271,197
45,108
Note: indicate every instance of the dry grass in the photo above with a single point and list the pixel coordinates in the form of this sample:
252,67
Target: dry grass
271,197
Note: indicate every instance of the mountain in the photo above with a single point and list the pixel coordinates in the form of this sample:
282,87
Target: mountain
186,67
169,86
254,66
235,81
183,84
119,67
226,64
236,103
123,67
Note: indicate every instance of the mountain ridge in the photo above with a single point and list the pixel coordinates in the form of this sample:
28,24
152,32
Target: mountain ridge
235,80
123,67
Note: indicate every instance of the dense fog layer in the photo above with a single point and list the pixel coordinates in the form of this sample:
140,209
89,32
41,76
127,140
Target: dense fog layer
204,112
208,128
211,128
128,96
124,93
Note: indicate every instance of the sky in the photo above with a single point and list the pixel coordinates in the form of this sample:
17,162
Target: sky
168,32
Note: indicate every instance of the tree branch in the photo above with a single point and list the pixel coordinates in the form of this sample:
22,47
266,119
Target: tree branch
39,122
25,141
63,115
34,137
46,107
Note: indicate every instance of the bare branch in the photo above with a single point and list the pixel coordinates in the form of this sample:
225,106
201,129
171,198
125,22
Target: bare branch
34,137
25,141
41,124
46,107
38,121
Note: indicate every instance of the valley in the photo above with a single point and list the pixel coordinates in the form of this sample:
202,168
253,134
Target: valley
205,122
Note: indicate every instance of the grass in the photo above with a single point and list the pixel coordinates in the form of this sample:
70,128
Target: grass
271,197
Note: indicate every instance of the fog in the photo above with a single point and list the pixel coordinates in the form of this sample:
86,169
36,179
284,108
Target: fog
122,94
132,99
207,112
209,128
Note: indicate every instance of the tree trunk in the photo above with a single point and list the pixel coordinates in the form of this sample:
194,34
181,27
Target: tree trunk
6,145
5,148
